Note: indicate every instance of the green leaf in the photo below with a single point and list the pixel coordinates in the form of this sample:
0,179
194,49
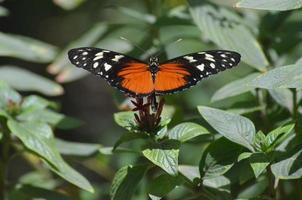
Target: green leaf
230,34
36,102
190,172
277,136
290,168
163,184
38,137
165,156
125,182
283,97
76,148
139,16
7,95
125,119
244,155
258,162
234,88
259,142
3,11
28,192
186,131
216,182
236,128
218,158
68,4
270,4
26,48
129,136
15,77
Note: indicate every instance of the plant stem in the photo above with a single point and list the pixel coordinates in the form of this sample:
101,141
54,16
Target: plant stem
5,145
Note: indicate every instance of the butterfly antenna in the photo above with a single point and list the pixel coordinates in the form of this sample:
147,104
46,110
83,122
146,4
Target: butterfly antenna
168,44
132,43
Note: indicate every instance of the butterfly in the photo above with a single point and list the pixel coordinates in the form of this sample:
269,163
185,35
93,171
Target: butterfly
140,79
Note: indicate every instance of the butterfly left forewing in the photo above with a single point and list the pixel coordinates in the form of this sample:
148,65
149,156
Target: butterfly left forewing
118,70
185,71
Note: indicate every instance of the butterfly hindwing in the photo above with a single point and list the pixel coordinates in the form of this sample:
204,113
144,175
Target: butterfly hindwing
120,71
185,71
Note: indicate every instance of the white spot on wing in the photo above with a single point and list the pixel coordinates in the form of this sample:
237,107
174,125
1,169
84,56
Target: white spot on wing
212,65
223,55
117,58
209,55
85,53
232,59
99,54
75,57
200,67
210,59
190,59
107,66
96,64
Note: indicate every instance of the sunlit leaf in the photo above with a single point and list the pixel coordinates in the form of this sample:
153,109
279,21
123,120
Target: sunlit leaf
186,131
7,95
125,119
165,156
76,148
26,48
38,137
24,80
236,128
216,182
125,181
270,4
290,168
277,136
234,88
224,29
68,4
258,162
190,172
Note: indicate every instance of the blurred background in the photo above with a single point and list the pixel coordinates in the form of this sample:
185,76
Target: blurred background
36,35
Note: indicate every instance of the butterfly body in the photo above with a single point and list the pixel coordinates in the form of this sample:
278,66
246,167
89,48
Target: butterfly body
137,78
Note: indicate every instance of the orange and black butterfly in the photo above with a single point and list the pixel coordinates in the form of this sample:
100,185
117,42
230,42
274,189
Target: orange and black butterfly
138,79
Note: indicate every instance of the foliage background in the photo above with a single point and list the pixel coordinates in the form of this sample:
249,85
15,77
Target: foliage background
268,36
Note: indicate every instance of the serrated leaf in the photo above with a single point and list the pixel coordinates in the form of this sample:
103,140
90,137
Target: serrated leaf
236,128
38,137
165,156
15,77
289,168
258,162
224,29
26,48
7,94
76,148
234,88
186,131
125,181
218,158
270,4
163,184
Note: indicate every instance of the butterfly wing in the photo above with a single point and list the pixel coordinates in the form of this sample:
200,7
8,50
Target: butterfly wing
185,71
127,74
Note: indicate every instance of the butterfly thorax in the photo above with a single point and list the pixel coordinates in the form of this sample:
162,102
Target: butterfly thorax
153,66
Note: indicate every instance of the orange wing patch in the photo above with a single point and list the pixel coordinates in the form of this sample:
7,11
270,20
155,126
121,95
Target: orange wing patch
170,77
137,79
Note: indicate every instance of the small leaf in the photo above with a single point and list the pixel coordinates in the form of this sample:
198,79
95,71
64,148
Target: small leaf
277,136
258,162
290,168
38,137
125,119
68,4
186,131
244,155
165,156
190,172
16,76
7,95
125,182
26,48
236,128
163,184
225,29
235,88
218,158
36,102
259,142
270,4
76,148
216,182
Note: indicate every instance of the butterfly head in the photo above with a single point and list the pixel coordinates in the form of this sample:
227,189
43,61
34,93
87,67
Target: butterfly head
153,64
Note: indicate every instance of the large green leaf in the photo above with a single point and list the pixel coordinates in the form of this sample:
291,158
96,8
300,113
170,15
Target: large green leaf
234,88
186,131
26,48
165,156
232,126
125,181
290,168
38,137
270,4
7,95
24,80
224,29
218,158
